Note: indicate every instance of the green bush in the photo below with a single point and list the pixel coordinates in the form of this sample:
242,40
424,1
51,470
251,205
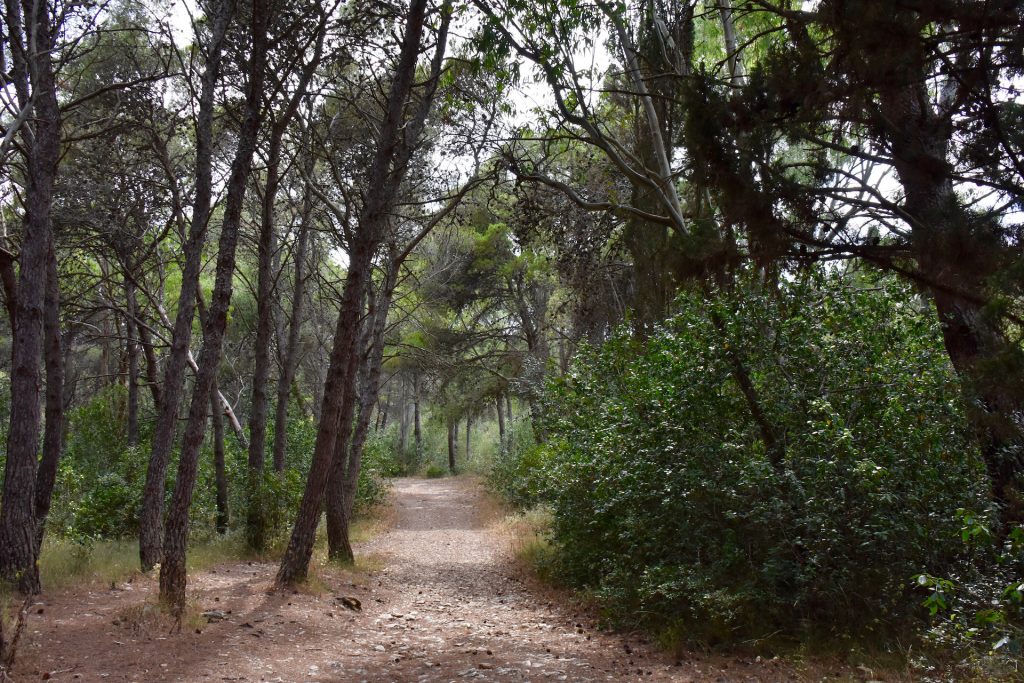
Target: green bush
670,503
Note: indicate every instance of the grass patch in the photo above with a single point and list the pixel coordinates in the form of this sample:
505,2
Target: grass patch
65,564
528,533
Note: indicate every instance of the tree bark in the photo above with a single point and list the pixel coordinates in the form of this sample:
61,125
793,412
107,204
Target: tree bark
417,430
501,421
150,524
451,446
152,364
172,568
53,433
219,470
370,390
290,358
469,427
34,69
132,348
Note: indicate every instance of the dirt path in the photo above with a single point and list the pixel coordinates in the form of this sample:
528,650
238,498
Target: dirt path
445,605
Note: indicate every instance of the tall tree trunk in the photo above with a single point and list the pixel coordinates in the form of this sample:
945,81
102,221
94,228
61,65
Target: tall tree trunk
338,546
172,568
451,446
954,250
501,421
508,408
132,347
403,417
395,146
370,390
417,430
219,470
152,364
290,357
34,69
469,427
150,523
256,521
53,433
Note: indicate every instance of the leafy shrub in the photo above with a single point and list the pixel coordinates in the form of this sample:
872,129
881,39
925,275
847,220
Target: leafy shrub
517,472
672,504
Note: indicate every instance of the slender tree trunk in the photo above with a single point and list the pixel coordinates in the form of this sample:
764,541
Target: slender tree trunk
508,408
255,521
451,446
370,392
290,360
417,430
150,523
267,276
501,421
53,433
394,148
132,347
469,427
403,417
152,364
42,145
383,410
172,568
219,470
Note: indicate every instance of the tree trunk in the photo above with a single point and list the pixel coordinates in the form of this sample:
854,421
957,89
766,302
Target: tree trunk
150,525
501,421
508,408
152,365
255,520
53,434
394,148
42,144
219,471
172,568
132,348
417,430
370,392
267,277
451,446
403,417
954,254
469,427
290,358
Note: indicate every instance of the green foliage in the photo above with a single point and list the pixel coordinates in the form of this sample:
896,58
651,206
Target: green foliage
671,504
517,473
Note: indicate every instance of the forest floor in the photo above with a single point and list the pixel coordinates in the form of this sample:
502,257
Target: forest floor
442,599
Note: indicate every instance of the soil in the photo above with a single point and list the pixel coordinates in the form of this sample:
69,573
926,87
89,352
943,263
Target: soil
443,599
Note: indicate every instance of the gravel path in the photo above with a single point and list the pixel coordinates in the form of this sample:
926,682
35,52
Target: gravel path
443,603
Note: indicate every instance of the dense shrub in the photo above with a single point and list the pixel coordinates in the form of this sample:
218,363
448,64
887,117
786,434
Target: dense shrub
671,504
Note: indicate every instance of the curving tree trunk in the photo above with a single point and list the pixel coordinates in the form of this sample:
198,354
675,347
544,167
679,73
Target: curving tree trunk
172,568
290,355
150,522
396,142
219,469
53,433
33,76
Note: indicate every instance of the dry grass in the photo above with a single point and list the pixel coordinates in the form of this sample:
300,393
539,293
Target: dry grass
65,564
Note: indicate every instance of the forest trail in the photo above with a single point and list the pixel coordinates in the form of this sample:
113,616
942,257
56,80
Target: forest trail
447,603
